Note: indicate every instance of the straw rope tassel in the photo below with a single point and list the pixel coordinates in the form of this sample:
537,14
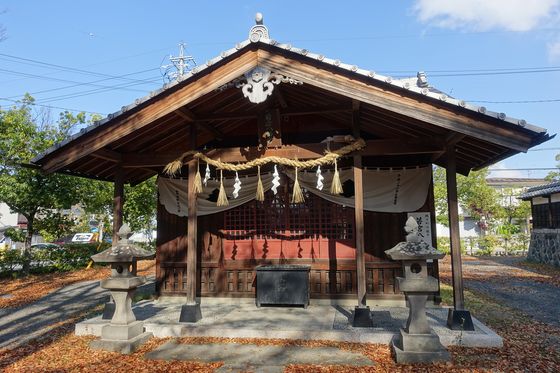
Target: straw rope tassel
260,190
297,196
197,179
336,185
222,197
174,167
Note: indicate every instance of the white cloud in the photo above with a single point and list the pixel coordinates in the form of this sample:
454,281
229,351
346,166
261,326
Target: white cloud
554,50
508,173
482,15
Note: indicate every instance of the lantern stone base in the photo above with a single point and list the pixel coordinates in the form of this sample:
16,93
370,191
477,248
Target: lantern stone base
459,320
121,338
418,348
362,317
123,347
190,313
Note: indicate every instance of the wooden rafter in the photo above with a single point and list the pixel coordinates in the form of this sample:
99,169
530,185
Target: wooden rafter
143,117
394,102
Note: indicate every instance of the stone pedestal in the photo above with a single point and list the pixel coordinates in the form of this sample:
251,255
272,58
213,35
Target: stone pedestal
362,317
418,348
190,313
121,338
416,342
123,334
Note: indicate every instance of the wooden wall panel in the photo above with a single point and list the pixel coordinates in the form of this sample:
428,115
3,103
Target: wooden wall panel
226,267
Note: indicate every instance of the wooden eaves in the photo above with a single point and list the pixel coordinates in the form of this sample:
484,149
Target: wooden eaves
396,121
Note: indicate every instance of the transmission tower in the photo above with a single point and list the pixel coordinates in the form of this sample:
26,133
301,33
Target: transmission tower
179,65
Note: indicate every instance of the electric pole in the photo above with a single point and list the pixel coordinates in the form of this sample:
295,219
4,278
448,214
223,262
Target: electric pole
181,63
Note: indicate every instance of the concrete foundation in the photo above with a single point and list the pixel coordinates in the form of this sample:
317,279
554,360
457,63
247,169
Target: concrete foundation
226,318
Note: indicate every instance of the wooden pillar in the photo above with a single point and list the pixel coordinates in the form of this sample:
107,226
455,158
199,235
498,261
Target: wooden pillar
359,217
362,314
118,201
458,317
455,240
190,311
192,231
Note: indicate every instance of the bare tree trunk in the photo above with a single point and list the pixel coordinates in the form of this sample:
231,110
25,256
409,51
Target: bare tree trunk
27,246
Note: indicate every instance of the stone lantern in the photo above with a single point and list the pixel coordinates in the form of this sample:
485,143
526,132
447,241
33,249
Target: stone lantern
416,342
124,333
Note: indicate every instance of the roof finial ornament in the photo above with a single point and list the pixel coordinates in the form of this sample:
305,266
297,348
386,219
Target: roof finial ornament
422,81
259,18
259,31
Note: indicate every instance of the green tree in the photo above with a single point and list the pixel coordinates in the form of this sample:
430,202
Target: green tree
513,211
53,225
554,175
475,197
26,190
140,203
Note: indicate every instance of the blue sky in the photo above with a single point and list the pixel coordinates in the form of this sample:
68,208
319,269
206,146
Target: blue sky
392,37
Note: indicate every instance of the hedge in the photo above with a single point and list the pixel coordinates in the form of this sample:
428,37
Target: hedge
64,258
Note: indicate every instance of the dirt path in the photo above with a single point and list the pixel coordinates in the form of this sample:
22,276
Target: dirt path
510,282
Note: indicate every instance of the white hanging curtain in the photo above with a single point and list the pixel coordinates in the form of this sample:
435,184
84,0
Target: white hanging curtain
173,194
399,190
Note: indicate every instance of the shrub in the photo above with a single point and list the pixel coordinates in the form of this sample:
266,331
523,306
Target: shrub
65,258
444,245
10,260
487,244
72,256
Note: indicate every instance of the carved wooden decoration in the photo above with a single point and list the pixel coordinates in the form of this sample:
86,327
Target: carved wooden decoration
258,83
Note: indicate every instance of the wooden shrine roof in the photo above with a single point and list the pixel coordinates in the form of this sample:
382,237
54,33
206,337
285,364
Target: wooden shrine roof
406,122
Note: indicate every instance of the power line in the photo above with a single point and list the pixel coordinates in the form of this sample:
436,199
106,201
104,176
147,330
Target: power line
543,149
523,169
52,107
85,83
91,92
517,102
67,68
60,80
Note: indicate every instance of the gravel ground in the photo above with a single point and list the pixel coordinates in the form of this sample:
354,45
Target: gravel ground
22,324
536,299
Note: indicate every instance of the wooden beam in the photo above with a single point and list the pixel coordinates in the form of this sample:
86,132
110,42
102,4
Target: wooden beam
219,135
186,114
393,101
359,212
451,140
190,117
192,232
302,151
317,110
108,155
118,202
453,211
283,112
164,105
280,97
